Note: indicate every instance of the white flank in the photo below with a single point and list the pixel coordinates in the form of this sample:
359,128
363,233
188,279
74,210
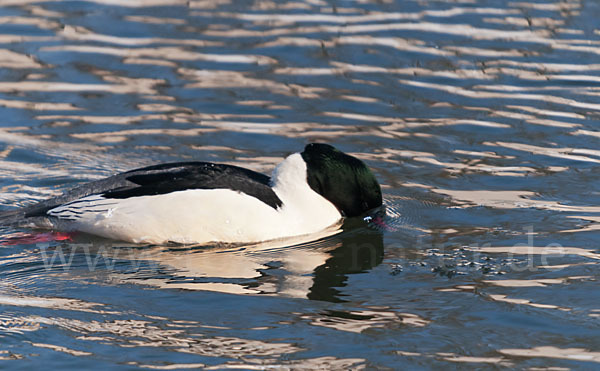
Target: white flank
202,216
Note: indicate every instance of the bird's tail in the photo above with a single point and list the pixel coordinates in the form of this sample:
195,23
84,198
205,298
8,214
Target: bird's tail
10,218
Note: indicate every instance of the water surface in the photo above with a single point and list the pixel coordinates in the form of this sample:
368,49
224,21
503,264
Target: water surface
479,119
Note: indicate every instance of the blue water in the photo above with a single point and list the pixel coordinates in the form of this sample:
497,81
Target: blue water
478,118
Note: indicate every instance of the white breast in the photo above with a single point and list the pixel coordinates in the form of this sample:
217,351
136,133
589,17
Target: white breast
302,205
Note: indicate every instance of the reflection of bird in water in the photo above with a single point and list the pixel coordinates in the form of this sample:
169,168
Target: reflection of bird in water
358,252
311,266
199,202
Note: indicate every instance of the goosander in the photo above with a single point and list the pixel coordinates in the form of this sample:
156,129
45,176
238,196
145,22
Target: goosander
202,202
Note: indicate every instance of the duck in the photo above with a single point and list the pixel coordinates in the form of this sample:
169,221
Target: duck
203,202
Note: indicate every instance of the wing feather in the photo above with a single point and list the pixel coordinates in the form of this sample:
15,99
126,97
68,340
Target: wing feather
155,180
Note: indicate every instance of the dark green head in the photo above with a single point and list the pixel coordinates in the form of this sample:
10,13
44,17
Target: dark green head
342,179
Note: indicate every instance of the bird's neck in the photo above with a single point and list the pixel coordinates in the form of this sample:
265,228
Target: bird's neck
290,183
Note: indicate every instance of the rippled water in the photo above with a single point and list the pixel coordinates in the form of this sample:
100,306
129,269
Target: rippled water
478,117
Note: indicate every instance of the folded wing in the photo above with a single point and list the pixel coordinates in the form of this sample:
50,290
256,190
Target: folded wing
154,180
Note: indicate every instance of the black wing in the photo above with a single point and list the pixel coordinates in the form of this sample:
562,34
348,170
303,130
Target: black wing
167,178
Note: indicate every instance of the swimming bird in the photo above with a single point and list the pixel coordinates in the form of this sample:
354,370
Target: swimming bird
203,202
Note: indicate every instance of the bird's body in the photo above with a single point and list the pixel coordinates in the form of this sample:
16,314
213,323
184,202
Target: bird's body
199,202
